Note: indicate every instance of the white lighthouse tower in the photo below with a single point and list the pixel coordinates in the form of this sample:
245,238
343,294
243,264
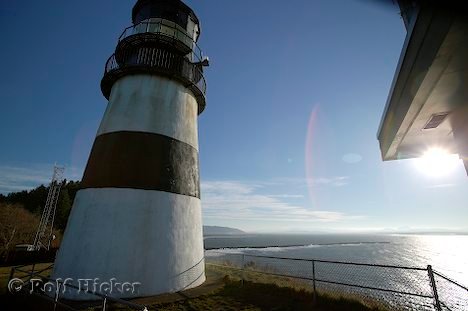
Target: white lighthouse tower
137,217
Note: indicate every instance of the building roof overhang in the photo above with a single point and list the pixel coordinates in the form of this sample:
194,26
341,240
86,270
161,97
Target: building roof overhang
431,80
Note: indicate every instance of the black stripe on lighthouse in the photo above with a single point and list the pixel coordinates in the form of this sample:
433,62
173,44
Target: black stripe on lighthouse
141,160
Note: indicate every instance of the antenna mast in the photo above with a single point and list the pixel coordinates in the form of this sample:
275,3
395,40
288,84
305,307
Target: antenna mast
44,232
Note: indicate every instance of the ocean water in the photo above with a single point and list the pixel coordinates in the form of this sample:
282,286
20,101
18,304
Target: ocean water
447,254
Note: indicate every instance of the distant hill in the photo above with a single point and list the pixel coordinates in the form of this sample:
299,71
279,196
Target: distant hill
215,230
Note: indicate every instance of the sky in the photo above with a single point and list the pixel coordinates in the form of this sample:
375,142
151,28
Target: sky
288,140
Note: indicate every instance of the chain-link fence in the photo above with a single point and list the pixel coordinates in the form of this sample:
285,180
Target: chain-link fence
451,294
386,286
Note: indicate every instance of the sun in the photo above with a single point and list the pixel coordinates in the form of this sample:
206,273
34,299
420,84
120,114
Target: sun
437,162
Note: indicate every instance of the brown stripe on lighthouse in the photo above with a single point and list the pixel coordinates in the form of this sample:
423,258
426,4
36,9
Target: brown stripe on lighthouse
141,160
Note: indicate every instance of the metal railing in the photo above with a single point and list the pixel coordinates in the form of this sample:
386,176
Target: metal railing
28,274
132,57
31,276
168,29
389,286
162,61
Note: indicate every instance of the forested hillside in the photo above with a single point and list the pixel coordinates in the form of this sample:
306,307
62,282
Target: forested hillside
34,200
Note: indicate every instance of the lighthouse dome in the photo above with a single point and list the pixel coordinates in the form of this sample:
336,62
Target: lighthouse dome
172,10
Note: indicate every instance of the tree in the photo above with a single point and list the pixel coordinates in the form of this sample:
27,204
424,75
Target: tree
73,187
34,201
64,206
17,226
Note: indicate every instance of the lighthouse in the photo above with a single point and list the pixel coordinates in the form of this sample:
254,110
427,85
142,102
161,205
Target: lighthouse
137,218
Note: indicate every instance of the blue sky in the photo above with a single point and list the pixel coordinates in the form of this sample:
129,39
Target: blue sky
288,140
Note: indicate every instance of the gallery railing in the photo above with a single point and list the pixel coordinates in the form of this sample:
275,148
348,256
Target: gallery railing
164,61
162,47
166,29
157,60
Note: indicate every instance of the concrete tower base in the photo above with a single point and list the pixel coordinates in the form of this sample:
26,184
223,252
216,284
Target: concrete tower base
149,237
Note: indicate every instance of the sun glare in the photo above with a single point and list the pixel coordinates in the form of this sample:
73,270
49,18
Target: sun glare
437,162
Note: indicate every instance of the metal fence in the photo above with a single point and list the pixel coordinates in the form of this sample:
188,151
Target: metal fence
387,286
30,279
451,294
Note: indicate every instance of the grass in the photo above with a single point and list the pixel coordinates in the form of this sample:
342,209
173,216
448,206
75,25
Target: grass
257,296
254,274
259,292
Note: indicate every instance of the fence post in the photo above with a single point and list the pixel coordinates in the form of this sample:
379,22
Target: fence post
12,273
313,283
242,270
434,288
32,272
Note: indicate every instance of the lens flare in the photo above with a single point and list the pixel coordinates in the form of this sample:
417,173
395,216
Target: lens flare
309,154
437,162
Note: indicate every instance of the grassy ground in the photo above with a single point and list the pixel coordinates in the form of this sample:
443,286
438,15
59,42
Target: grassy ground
252,274
256,296
224,290
4,276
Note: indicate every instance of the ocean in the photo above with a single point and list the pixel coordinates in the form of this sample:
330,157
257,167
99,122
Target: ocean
447,254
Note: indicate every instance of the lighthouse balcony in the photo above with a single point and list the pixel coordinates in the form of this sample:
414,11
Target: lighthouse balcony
155,31
159,61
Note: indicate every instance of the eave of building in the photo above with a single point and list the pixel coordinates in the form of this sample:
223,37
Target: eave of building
430,78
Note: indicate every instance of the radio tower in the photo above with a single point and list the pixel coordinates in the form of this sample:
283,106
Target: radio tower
45,229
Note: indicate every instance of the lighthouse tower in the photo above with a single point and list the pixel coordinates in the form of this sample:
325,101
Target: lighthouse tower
137,217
